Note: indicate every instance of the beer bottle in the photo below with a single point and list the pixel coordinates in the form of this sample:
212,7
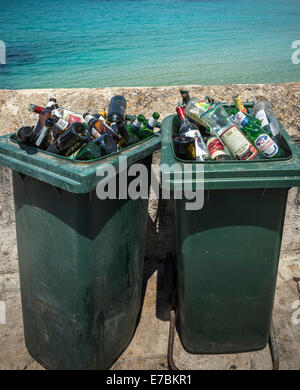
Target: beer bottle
260,138
70,140
25,135
39,109
153,121
67,115
106,143
42,140
138,129
100,114
99,127
116,110
46,113
127,138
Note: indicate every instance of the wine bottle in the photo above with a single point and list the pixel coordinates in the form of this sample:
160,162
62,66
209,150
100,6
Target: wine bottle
184,147
188,129
116,110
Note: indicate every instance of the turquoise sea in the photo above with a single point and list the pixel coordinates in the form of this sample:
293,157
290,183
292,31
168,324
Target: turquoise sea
97,43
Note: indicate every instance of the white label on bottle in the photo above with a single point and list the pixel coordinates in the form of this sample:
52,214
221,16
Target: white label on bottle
57,112
41,136
261,115
237,144
266,145
201,150
50,103
95,133
61,124
136,124
88,118
152,123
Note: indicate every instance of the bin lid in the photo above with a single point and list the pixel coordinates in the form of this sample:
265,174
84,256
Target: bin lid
230,174
71,175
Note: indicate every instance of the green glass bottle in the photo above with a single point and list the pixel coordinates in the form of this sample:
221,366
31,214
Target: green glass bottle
90,151
152,122
259,137
234,111
138,128
127,138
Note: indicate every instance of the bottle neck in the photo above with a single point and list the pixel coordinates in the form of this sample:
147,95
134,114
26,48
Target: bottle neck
181,114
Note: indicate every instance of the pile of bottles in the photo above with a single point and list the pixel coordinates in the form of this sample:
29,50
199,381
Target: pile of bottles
210,131
88,136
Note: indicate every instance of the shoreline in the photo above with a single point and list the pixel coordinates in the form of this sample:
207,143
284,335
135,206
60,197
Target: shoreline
150,87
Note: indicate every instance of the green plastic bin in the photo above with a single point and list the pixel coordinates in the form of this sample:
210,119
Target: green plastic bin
228,251
80,258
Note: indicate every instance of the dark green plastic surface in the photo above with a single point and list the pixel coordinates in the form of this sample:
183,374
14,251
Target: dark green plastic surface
228,251
80,258
71,175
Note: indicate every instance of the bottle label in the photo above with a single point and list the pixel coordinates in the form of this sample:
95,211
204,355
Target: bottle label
42,135
57,112
239,119
201,152
261,115
151,123
215,147
95,133
50,103
61,124
266,145
238,144
88,118
136,124
203,106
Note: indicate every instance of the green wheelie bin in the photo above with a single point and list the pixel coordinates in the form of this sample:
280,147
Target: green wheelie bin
228,251
80,258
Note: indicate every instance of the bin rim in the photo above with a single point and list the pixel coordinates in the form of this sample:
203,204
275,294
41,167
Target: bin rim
284,172
64,173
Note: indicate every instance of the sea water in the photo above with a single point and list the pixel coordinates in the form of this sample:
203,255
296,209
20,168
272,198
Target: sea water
98,43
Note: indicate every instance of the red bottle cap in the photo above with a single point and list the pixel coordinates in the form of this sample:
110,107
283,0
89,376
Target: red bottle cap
180,112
